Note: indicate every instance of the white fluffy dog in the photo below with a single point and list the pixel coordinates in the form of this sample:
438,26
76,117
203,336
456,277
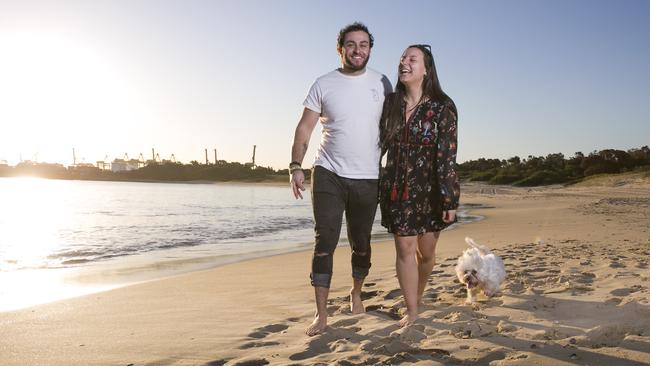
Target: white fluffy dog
479,269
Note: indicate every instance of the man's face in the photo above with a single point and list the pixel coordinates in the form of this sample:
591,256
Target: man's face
355,51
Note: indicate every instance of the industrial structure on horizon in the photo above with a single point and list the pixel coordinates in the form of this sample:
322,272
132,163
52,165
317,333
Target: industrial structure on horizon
125,164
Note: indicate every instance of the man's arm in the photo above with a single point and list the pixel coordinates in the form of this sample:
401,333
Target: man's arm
299,149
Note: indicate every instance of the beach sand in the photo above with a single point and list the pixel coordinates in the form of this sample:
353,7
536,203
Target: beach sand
577,293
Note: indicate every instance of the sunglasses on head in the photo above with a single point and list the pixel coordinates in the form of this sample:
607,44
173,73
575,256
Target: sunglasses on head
424,47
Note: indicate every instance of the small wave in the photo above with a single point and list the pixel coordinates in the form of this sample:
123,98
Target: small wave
72,262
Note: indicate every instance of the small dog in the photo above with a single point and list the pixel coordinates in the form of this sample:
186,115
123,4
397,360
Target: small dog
479,269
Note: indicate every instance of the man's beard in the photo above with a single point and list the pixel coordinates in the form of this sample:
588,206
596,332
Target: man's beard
349,65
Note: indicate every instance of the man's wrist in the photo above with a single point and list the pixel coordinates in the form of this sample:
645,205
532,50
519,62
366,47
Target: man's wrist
294,166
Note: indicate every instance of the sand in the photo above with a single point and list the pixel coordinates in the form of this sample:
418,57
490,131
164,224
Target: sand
577,293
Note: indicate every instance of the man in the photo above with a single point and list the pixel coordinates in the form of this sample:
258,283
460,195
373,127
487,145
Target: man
348,102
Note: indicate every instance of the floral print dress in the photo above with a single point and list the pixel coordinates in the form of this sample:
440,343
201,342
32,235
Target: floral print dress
419,180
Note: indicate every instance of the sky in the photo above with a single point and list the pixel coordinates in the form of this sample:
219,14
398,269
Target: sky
110,78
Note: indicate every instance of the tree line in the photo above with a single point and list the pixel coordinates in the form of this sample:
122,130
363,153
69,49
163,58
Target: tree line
554,168
153,171
531,171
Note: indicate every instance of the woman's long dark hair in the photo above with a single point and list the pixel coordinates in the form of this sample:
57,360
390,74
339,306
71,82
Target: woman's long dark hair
392,119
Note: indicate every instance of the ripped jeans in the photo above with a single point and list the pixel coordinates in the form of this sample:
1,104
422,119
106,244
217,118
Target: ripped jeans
331,196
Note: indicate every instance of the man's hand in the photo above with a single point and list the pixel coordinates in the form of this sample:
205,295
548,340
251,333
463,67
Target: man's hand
297,182
449,216
299,149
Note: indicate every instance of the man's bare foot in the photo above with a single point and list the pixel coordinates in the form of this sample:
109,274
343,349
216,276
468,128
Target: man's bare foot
356,305
317,326
407,320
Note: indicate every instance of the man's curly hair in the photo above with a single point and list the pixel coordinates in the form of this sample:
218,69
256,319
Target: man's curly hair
356,26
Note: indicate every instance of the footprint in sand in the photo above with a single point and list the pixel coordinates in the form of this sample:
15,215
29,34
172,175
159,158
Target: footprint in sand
258,344
585,278
268,329
392,313
365,295
626,291
410,335
254,362
213,363
373,307
616,264
613,301
334,340
345,323
430,295
334,309
538,269
516,287
392,294
460,292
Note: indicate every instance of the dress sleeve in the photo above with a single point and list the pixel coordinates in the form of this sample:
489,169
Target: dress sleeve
447,147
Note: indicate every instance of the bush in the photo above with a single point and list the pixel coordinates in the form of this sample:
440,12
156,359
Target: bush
541,178
505,178
482,176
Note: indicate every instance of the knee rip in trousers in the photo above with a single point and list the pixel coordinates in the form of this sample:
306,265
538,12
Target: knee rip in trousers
322,262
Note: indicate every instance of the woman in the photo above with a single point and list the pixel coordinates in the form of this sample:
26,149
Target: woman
419,188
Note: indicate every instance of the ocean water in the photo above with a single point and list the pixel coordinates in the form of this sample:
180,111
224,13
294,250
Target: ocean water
64,238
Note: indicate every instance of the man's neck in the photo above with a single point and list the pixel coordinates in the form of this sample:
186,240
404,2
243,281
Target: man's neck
351,72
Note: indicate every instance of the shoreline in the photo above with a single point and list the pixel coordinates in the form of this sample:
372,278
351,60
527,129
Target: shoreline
62,283
553,310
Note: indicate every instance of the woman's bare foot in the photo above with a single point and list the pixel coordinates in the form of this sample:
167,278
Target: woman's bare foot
318,326
356,305
407,320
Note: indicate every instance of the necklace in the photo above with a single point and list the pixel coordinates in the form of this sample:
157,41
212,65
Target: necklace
420,101
412,107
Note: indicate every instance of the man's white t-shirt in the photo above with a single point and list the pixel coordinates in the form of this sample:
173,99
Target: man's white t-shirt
350,109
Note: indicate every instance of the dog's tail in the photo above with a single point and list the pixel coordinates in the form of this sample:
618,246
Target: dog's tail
471,242
482,248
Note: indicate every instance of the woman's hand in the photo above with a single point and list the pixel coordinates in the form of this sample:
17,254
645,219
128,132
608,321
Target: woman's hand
449,216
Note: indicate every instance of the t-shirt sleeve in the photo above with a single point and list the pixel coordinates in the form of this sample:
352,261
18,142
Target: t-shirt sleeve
314,98
388,88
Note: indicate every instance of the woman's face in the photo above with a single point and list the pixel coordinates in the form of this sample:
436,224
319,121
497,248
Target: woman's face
411,66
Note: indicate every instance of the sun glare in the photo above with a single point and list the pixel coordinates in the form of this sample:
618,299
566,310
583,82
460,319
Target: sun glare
30,220
58,91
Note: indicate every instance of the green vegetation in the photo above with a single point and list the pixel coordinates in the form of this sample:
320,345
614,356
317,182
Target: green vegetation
153,171
532,171
554,168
